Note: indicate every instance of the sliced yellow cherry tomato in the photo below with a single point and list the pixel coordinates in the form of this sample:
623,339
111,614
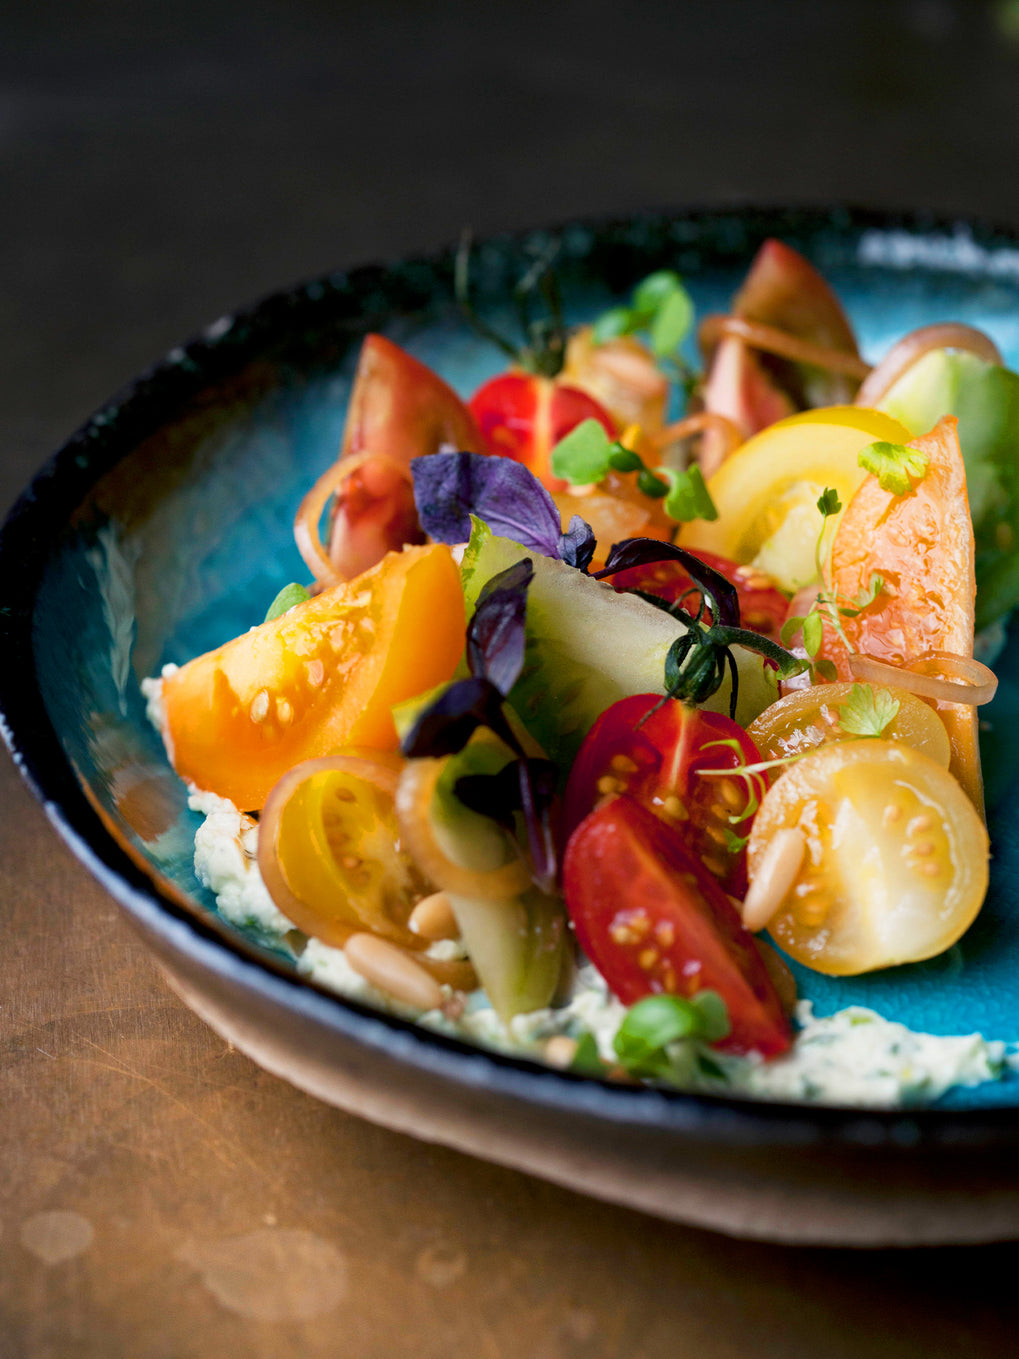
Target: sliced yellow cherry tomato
766,492
895,861
330,853
811,717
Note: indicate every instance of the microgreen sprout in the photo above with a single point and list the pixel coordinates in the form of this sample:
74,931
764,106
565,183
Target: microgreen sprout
586,455
286,599
662,1037
659,305
829,606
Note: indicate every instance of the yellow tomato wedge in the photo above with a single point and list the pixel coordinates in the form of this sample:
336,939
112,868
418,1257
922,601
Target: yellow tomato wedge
323,676
766,492
808,718
894,867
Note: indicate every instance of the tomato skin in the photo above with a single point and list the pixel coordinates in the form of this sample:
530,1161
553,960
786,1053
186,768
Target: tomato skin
763,607
652,920
651,751
522,416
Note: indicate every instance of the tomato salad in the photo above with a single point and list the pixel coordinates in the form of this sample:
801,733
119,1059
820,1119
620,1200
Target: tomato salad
582,701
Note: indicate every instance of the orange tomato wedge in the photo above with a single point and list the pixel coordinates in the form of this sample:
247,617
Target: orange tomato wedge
922,546
323,676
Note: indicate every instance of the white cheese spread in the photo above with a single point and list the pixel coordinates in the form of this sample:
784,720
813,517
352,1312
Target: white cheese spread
854,1057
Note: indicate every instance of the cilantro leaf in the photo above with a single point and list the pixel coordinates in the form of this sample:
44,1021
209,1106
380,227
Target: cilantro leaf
828,502
897,468
582,456
286,599
867,711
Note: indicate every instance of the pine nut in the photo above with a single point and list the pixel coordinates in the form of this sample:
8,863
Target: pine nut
392,971
560,1050
433,918
780,863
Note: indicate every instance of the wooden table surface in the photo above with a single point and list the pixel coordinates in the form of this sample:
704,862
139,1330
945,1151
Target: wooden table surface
160,1196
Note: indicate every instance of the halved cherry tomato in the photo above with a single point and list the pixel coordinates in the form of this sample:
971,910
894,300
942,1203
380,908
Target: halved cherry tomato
399,409
322,676
895,867
810,717
922,546
762,606
329,850
522,416
652,920
652,750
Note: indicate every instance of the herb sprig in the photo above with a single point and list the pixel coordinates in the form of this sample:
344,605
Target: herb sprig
829,606
662,1037
586,455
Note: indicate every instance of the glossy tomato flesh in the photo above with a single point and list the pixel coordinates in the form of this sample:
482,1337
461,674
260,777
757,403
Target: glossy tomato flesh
653,751
762,605
523,417
653,921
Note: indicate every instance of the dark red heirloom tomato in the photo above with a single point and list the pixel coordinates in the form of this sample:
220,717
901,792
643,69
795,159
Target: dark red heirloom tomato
652,750
652,921
523,416
763,607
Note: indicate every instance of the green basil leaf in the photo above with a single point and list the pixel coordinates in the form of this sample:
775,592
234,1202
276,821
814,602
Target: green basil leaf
582,456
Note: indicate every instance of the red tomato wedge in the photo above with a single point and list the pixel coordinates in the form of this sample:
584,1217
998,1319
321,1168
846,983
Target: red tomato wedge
652,921
523,417
399,410
922,546
763,607
652,751
784,291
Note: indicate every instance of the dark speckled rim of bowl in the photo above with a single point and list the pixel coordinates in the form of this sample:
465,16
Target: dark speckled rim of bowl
362,298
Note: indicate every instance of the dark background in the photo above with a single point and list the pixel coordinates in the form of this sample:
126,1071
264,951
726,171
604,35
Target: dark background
162,163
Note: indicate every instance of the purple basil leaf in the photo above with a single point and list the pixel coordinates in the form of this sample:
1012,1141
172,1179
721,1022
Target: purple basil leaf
724,601
448,724
537,787
495,635
577,544
526,785
450,487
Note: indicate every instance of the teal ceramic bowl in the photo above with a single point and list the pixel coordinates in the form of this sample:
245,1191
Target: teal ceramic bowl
163,527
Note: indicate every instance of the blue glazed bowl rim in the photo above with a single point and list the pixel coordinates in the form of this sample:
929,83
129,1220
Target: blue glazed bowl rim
110,435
